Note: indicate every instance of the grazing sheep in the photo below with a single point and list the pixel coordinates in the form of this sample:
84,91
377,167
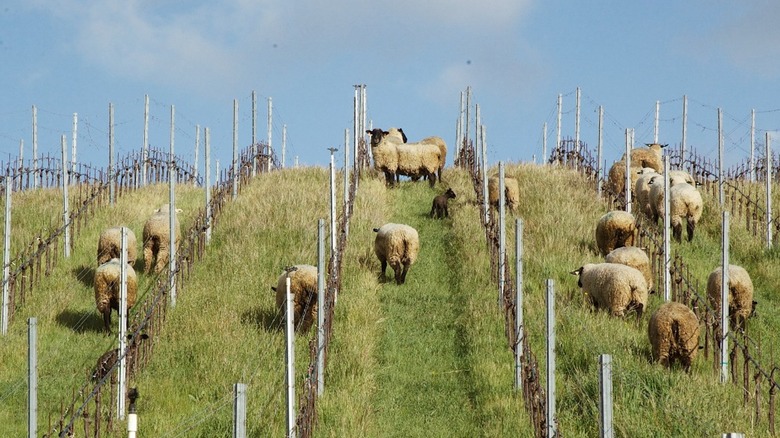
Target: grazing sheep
303,285
651,156
107,284
439,207
684,202
636,258
156,237
394,157
618,288
614,230
439,142
642,190
511,192
397,245
741,304
109,245
656,185
616,178
674,334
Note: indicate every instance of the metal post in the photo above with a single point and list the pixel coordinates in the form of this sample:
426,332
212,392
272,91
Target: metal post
6,256
120,399
544,143
551,417
468,115
284,144
111,170
32,377
346,178
605,380
65,207
577,119
519,305
239,410
270,135
145,145
684,131
207,180
34,147
478,147
235,149
485,185
753,145
721,194
768,191
501,233
73,148
132,417
600,143
558,129
254,133
667,243
172,216
333,212
290,356
627,188
724,301
320,306
197,149
657,118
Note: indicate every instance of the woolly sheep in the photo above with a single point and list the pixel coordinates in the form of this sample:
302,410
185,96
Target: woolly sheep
109,245
511,192
656,185
651,156
156,237
384,152
303,285
741,304
642,190
394,157
636,258
616,178
439,142
439,207
618,288
615,229
685,202
673,331
107,284
397,245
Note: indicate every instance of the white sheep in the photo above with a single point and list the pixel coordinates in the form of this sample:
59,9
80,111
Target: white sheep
616,178
650,156
642,190
156,238
636,258
656,185
740,295
511,192
685,202
107,285
397,245
394,157
109,245
384,152
439,142
673,331
303,285
615,229
618,288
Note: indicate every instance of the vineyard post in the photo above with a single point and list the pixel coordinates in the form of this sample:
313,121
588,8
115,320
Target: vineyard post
459,127
724,299
120,396
270,133
346,179
627,188
721,194
32,377
657,116
599,169
65,208
207,180
605,399
320,306
485,187
768,192
20,166
753,145
290,356
363,112
254,133
73,149
577,119
684,132
145,145
6,255
197,148
558,128
333,213
667,244
355,123
477,137
111,170
239,410
519,305
235,149
467,116
284,144
501,233
172,216
551,429
544,143
34,149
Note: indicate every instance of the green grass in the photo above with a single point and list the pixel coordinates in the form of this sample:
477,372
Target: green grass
427,358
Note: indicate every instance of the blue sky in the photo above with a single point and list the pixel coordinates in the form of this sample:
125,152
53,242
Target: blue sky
66,56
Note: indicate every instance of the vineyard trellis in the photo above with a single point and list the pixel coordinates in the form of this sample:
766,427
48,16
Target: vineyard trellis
745,351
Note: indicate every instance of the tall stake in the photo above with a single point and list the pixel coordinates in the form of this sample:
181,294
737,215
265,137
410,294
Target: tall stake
551,417
145,145
684,132
207,180
501,234
333,253
724,301
320,306
599,172
73,148
270,134
605,379
172,218
290,355
235,149
721,193
667,245
768,192
32,377
627,188
36,174
65,206
657,117
519,305
6,256
111,170
120,399
254,133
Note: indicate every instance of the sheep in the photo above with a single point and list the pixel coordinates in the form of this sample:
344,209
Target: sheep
394,157
684,202
303,285
673,331
741,304
636,258
616,178
398,245
156,237
107,284
439,142
651,156
642,190
384,152
618,288
615,229
439,207
511,192
109,245
656,185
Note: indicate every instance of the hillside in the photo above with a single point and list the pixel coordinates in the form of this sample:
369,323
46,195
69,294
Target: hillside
428,358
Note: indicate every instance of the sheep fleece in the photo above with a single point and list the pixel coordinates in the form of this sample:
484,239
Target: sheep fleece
303,285
636,258
613,286
107,278
109,245
615,229
740,292
673,331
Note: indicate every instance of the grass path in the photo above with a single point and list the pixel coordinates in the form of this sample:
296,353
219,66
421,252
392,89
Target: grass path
423,383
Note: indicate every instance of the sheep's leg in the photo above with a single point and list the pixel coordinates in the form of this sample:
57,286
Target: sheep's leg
690,226
162,258
399,274
403,273
383,263
148,257
446,211
677,232
431,180
107,320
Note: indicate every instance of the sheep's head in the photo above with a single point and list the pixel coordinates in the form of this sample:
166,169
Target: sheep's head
578,273
450,193
377,134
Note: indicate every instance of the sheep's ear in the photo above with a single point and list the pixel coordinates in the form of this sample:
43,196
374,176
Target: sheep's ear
273,288
665,145
179,210
369,132
577,271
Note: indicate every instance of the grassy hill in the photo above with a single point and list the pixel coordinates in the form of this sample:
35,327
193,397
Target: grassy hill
427,358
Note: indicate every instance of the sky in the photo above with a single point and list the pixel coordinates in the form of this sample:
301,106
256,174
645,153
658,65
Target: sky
415,58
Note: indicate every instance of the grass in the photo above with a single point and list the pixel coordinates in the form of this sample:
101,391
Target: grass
428,358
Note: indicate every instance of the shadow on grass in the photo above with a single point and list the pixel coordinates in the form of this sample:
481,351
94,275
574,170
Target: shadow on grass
85,274
81,321
264,318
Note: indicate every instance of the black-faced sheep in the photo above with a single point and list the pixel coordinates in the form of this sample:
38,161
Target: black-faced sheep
439,208
156,237
303,285
511,192
107,284
615,229
394,157
109,245
741,304
618,288
397,245
636,258
673,331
